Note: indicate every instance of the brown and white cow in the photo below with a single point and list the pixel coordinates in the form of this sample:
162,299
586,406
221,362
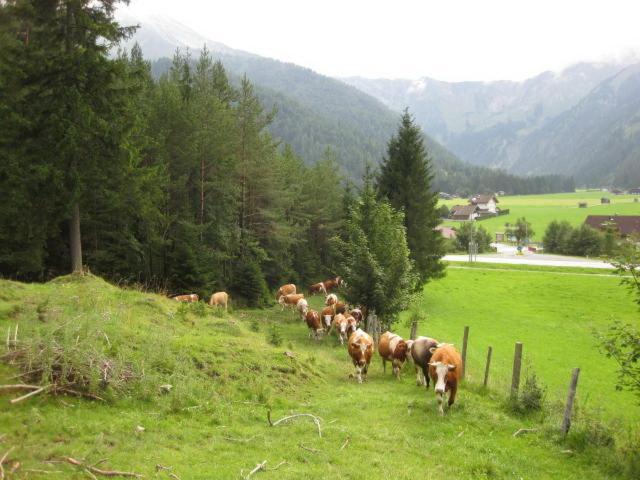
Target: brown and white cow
219,298
333,283
357,314
302,307
340,307
290,300
352,324
419,351
361,350
331,299
327,317
315,325
444,370
393,348
317,288
340,325
287,289
187,298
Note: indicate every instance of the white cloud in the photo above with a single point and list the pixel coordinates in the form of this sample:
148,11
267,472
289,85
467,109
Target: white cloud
447,40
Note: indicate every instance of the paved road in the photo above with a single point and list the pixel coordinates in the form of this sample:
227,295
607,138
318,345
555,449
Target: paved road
540,259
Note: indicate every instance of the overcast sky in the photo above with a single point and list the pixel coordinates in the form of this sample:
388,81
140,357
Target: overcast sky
447,39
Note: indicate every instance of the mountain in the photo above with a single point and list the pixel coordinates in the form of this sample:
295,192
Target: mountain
498,124
599,138
314,112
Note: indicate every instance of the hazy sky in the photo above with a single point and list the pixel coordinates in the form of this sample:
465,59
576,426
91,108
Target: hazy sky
446,39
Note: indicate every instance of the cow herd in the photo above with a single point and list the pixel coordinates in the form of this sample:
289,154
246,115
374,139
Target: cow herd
433,360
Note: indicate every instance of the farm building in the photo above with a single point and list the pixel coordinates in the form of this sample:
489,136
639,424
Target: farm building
447,232
464,212
582,204
487,204
605,200
626,224
635,191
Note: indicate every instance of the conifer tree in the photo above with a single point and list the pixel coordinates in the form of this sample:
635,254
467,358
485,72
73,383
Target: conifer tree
405,179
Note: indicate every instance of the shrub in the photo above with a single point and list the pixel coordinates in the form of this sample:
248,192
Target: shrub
274,337
480,235
531,397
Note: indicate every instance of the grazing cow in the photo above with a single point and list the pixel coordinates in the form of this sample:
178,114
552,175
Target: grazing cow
290,300
357,314
333,283
340,307
327,317
444,370
340,324
361,351
302,307
219,298
188,298
317,288
420,353
393,348
288,289
315,325
331,299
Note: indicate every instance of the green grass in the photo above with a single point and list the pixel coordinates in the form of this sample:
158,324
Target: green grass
541,210
225,375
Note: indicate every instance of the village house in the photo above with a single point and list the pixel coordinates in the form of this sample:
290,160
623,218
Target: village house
464,212
635,191
625,224
487,204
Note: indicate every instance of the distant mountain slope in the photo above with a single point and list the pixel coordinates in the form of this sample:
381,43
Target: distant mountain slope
598,140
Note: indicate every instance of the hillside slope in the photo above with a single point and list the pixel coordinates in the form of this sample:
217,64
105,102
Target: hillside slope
225,377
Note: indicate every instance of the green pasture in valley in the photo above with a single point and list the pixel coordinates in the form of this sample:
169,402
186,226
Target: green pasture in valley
541,210
228,370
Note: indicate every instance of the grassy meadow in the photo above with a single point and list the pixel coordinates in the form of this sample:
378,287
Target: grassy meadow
541,210
227,370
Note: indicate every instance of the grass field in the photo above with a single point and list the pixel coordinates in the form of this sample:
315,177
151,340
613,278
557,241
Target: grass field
541,210
225,375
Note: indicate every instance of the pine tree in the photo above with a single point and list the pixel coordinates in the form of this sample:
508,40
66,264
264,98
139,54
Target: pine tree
405,179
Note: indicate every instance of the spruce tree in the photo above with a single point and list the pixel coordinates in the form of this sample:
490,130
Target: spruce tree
405,179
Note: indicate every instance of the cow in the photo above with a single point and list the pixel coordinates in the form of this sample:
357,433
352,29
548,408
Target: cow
313,322
340,307
288,289
317,288
219,298
393,348
361,350
340,324
419,351
290,300
444,370
331,299
352,324
302,307
187,298
327,317
357,314
333,283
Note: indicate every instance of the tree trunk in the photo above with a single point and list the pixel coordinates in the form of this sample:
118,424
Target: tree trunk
75,240
201,196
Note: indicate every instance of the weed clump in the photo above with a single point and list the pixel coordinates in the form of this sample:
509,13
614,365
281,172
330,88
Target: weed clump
532,396
274,337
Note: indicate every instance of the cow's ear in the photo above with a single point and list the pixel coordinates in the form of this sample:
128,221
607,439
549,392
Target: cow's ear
451,367
433,350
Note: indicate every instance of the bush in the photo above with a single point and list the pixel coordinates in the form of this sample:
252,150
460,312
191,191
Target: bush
274,336
561,237
531,397
480,235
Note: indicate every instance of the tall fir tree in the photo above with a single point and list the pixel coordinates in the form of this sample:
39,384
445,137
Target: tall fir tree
405,179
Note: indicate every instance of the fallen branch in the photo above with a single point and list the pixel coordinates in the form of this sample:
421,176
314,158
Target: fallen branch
98,471
20,386
258,467
239,440
316,420
4,457
346,442
308,449
168,470
524,430
79,394
284,462
30,394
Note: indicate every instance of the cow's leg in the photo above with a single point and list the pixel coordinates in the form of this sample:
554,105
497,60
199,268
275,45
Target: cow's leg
440,401
452,394
359,373
365,370
425,376
419,379
384,365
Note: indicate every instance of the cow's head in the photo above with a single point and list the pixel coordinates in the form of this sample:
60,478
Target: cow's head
442,370
281,299
358,352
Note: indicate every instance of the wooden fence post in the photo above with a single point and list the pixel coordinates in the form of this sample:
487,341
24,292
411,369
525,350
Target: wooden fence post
515,378
566,421
414,330
465,339
486,369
